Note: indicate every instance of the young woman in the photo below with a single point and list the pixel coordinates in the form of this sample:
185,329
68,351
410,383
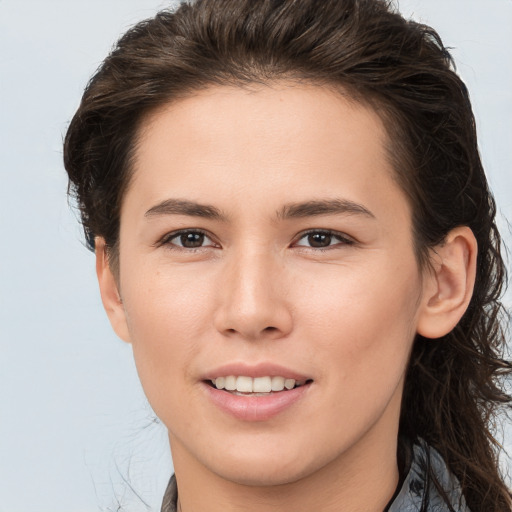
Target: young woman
293,229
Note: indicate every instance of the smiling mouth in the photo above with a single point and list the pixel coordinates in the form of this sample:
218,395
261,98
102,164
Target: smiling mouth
258,386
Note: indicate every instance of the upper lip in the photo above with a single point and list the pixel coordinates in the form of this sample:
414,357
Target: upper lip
266,369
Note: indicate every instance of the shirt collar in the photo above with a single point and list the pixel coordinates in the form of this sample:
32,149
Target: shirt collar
418,493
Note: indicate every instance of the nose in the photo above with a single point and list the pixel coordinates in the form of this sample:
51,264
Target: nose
253,299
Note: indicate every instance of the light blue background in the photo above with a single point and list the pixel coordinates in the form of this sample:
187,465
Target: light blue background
73,419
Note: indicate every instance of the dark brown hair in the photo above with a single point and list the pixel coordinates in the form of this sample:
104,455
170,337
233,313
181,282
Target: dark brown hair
453,390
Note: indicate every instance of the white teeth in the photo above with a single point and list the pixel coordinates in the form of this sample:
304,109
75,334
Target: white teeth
289,383
229,383
262,385
277,383
219,382
243,384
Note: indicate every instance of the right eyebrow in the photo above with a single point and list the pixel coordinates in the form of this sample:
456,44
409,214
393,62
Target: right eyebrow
323,207
185,207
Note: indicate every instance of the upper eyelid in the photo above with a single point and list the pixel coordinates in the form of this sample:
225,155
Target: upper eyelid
173,234
331,232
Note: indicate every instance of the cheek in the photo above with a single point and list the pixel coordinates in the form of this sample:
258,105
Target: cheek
360,333
363,321
170,302
167,315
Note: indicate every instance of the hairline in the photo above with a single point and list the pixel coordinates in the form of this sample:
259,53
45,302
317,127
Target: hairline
389,117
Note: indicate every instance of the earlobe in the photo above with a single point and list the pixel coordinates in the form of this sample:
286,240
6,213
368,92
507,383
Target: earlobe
109,291
448,284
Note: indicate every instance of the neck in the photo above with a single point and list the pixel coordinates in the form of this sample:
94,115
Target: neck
360,480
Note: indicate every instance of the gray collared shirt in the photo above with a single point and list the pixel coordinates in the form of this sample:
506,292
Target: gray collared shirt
417,494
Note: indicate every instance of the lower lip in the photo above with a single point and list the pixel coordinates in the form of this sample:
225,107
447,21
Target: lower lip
256,408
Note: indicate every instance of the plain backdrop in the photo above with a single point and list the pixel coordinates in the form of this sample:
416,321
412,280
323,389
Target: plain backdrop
74,424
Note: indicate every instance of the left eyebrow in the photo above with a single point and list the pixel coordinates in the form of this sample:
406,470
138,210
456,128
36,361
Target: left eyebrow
323,207
185,207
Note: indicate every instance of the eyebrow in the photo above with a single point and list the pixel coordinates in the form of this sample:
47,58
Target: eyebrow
288,211
185,207
323,207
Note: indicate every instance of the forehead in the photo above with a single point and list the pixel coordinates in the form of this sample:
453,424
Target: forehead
282,110
263,147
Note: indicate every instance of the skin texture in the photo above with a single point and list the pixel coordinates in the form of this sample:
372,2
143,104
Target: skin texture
256,292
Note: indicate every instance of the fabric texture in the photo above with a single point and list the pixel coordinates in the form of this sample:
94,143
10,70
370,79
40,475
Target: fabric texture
170,501
417,494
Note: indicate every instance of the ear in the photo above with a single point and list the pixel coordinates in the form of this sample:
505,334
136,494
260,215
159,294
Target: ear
448,284
109,291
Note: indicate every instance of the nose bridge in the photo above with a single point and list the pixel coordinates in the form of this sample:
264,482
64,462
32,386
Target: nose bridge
252,297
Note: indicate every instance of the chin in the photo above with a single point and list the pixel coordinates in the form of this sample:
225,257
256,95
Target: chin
263,477
265,468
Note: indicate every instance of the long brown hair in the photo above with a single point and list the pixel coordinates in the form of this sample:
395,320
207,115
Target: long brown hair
454,387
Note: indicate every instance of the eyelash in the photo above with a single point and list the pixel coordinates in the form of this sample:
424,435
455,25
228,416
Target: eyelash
167,240
341,238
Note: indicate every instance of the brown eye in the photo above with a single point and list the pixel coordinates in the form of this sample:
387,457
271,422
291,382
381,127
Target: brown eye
319,239
187,239
191,240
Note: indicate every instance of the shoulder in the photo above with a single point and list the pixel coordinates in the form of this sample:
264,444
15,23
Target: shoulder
429,485
170,501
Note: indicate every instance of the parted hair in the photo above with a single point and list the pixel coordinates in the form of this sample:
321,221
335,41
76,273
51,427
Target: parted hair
454,391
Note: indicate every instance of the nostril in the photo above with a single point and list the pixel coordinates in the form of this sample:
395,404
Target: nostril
270,329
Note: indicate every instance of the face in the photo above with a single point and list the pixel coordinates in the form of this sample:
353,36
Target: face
265,245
